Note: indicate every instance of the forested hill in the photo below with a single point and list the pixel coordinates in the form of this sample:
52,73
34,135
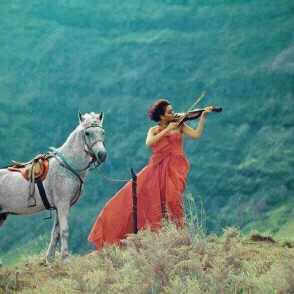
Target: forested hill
58,57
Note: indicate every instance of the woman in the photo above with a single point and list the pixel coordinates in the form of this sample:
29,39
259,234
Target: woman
160,184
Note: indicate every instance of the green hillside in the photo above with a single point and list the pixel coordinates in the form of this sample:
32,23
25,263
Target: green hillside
59,57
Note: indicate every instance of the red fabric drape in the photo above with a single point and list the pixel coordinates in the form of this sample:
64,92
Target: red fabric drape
160,187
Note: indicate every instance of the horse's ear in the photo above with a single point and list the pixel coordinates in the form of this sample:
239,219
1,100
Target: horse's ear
101,118
80,117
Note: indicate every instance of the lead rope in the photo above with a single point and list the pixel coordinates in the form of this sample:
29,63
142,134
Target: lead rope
134,196
113,179
110,179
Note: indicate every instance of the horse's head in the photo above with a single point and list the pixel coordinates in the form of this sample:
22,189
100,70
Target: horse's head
91,125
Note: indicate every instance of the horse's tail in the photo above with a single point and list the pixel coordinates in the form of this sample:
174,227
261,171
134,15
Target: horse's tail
3,217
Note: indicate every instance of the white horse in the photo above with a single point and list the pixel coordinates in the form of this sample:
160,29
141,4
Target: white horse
68,167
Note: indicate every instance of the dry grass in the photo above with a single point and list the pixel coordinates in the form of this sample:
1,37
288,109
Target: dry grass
170,261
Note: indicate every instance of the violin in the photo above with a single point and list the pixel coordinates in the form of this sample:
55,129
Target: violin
193,114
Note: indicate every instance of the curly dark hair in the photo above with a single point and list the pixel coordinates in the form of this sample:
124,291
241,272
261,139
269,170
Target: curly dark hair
158,109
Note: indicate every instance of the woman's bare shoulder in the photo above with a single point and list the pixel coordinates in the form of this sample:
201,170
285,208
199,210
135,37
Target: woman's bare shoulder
154,130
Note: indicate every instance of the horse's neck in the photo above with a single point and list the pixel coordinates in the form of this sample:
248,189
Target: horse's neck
73,150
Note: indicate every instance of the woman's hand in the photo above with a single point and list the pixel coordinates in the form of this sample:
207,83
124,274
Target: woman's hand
206,110
172,126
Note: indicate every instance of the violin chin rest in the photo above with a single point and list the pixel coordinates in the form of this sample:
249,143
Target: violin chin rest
178,114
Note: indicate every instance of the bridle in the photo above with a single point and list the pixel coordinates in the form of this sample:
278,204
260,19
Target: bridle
88,147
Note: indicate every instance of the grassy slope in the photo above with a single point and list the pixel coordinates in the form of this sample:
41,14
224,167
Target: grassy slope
169,262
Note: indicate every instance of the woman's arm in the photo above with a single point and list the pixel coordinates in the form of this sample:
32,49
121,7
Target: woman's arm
197,133
153,136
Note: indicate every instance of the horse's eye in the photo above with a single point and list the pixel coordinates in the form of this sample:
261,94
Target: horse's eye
87,133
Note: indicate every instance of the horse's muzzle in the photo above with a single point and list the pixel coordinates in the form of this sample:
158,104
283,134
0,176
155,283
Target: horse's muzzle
102,156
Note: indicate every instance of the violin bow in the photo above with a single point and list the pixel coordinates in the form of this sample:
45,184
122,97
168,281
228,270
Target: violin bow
203,94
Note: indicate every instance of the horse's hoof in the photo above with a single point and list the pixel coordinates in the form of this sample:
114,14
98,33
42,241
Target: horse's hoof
48,260
43,262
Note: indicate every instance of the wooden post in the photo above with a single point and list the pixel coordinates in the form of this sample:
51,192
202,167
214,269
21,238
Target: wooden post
134,194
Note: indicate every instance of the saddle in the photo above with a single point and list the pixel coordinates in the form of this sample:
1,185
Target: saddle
33,170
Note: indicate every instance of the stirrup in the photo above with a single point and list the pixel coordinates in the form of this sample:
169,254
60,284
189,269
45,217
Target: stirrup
32,203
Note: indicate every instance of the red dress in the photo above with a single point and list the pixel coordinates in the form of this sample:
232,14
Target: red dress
160,187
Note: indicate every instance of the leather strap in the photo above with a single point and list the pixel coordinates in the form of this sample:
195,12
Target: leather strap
43,195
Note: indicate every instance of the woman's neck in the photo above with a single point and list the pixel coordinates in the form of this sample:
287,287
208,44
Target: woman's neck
163,124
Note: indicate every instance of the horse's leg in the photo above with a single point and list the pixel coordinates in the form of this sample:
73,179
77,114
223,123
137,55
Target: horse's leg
55,236
3,217
63,214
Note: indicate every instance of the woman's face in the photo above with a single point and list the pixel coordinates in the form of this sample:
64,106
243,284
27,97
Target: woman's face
168,114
